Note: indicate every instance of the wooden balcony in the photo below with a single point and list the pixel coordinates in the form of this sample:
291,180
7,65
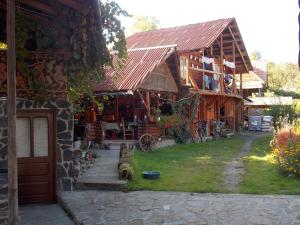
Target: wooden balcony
199,77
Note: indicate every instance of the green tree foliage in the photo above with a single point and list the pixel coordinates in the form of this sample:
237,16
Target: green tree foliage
144,23
255,55
284,77
283,114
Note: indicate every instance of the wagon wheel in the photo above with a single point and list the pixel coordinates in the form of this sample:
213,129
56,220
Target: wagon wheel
146,142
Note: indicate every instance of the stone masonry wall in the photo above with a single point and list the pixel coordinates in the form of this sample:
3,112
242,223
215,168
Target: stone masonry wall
64,141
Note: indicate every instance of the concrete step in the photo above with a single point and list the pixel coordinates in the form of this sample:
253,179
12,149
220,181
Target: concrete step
109,185
114,147
104,174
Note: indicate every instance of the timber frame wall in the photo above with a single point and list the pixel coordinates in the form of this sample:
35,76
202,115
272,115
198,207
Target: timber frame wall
218,104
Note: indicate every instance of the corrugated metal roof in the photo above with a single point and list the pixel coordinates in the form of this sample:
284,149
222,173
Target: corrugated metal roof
260,69
269,101
137,66
188,37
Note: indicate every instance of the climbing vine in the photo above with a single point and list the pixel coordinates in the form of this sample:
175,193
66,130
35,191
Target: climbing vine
184,113
31,35
84,36
88,52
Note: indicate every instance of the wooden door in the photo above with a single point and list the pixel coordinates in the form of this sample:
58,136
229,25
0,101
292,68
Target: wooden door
36,158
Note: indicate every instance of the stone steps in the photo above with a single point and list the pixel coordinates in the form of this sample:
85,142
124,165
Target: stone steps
108,185
104,174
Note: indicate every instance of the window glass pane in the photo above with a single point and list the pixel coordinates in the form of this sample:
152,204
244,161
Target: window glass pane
23,137
40,136
183,67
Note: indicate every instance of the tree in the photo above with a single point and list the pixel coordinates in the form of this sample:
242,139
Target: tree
144,23
255,55
284,77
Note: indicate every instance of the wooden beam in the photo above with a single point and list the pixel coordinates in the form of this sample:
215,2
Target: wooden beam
193,83
73,5
205,71
241,84
238,48
233,60
11,114
143,101
39,6
221,64
148,103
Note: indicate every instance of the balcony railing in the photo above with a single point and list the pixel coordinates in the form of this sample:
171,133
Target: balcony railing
213,81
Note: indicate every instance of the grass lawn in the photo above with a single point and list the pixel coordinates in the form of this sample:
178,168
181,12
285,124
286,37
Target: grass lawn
262,176
190,167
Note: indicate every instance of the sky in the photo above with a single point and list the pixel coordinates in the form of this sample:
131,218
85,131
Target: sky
268,26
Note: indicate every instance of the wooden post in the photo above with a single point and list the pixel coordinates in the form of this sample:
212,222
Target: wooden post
219,107
241,84
11,112
173,98
221,64
242,101
233,59
148,103
234,115
117,114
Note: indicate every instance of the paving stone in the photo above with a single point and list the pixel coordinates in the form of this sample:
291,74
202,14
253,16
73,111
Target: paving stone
176,208
50,214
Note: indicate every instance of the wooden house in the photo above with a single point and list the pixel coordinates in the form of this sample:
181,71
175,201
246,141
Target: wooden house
38,98
202,58
255,82
135,91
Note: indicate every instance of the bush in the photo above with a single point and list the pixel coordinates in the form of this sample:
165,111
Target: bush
286,150
282,115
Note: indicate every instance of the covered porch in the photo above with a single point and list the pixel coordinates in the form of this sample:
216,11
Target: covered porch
131,98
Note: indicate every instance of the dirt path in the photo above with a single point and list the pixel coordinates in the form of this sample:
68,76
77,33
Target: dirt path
235,169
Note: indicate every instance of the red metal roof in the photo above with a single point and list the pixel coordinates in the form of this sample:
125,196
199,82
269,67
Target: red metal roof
188,37
262,73
138,65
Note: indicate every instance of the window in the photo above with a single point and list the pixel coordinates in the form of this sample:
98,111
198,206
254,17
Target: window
32,137
23,137
183,67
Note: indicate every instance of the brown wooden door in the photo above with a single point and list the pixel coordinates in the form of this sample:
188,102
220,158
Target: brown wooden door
35,152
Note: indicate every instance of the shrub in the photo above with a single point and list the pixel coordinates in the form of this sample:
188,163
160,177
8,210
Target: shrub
286,150
282,115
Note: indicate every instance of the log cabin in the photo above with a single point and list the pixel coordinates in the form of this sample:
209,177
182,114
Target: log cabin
203,58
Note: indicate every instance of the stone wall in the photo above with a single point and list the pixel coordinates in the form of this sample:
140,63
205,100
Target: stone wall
49,71
64,141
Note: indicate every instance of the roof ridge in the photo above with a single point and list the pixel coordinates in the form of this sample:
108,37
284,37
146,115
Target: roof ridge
185,25
152,47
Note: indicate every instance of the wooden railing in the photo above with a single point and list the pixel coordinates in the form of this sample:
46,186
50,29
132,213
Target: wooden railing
222,86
